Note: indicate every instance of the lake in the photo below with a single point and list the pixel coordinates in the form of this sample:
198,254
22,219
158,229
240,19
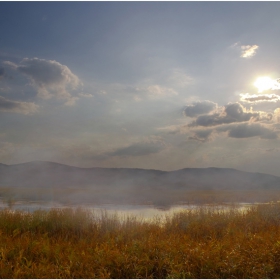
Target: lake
145,212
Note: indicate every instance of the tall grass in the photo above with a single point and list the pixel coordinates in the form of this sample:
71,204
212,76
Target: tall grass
201,243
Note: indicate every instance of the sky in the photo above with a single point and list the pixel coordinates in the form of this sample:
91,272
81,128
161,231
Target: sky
154,85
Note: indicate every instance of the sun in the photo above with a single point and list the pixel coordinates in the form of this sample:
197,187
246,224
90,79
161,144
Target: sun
264,83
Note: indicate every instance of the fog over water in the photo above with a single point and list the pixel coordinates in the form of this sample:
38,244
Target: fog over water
143,212
46,182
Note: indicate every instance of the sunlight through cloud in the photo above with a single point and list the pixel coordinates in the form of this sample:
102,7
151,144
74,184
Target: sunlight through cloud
266,83
248,51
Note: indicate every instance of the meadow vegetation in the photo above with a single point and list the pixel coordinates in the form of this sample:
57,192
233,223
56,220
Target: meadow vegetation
201,243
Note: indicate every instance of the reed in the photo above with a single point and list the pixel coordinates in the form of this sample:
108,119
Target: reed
200,243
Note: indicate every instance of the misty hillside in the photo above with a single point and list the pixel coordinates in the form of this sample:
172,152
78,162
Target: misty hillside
48,180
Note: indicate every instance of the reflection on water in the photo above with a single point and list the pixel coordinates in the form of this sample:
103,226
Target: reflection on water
145,212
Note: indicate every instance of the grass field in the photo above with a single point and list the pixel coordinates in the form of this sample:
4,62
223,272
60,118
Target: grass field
201,243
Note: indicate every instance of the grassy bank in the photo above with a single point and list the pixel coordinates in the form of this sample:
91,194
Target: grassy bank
200,243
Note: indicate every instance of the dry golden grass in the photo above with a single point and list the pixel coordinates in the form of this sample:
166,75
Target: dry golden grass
202,243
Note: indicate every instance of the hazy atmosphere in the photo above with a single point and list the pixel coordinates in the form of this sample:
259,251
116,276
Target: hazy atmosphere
154,85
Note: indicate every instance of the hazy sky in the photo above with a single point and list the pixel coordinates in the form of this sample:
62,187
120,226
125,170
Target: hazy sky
162,85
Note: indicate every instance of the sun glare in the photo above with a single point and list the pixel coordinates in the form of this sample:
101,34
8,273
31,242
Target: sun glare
264,83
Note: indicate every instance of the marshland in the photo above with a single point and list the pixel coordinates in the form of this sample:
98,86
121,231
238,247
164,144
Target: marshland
201,242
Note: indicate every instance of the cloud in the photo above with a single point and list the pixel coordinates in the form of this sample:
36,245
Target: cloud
248,51
243,130
179,79
135,92
49,77
134,150
139,149
236,120
173,129
231,113
10,64
87,95
199,108
266,83
254,98
25,108
275,84
102,92
71,101
277,115
201,135
246,130
159,91
2,72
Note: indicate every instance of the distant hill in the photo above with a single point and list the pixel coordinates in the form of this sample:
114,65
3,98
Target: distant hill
49,180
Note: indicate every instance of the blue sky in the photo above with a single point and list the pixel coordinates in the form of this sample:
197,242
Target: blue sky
162,85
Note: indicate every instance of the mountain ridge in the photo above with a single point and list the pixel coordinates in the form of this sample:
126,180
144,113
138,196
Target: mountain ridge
114,185
129,168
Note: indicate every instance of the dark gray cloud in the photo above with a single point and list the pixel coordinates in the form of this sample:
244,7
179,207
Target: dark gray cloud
236,120
134,150
251,130
231,113
243,130
139,149
259,98
49,77
201,135
199,108
17,107
2,72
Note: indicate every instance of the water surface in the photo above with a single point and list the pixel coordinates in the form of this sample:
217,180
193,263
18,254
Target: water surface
145,212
